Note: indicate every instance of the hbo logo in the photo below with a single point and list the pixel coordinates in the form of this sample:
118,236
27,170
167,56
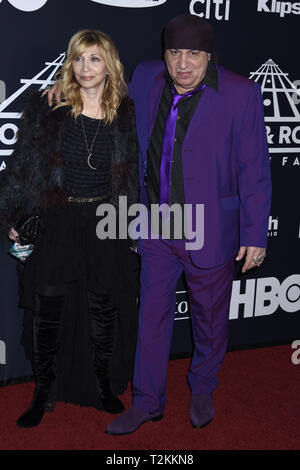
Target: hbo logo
263,296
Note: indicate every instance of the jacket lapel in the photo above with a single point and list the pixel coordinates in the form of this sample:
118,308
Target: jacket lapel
207,104
155,95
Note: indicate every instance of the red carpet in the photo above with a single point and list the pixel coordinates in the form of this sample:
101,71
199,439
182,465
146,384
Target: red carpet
257,408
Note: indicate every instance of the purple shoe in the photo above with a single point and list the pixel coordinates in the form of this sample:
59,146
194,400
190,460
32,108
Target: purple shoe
202,410
130,421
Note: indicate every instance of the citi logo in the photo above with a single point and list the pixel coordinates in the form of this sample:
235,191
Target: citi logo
218,9
131,3
283,8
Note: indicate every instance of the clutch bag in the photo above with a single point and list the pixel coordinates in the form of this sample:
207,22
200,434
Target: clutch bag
21,252
27,229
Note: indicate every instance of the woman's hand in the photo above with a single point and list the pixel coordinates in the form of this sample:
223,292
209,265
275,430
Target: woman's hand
13,235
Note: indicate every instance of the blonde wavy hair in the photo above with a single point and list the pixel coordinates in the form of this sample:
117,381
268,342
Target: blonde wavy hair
115,87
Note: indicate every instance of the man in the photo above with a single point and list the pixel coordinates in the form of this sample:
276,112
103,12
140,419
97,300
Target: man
218,157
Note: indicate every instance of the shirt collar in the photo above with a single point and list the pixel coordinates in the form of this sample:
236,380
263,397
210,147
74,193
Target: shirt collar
210,78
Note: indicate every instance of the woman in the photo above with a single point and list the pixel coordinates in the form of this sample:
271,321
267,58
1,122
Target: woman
79,292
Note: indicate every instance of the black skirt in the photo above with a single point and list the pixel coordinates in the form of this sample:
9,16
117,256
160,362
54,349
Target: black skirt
68,255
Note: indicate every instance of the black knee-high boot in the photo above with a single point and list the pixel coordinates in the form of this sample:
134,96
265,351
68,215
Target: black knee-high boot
45,346
103,329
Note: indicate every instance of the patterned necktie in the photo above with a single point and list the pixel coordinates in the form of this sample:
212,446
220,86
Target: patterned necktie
168,145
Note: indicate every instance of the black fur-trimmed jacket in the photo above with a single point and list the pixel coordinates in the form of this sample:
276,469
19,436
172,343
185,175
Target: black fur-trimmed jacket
33,179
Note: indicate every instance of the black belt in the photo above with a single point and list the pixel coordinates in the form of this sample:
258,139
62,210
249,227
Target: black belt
87,199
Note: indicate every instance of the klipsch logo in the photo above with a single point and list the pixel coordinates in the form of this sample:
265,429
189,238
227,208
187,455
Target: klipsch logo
27,5
9,116
218,9
281,8
282,116
131,3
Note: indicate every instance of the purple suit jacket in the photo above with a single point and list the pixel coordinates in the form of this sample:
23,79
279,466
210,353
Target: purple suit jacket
224,156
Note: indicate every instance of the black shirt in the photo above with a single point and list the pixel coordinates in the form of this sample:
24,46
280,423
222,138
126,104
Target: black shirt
186,108
79,179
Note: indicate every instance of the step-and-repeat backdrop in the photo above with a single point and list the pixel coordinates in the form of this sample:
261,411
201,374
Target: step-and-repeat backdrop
256,38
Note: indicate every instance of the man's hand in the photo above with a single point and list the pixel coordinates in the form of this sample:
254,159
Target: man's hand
254,256
53,94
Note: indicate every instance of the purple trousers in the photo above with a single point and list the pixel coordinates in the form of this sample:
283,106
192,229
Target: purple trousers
163,262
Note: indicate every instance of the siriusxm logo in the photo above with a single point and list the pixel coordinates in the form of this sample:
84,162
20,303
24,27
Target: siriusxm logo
131,3
282,8
27,5
32,5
